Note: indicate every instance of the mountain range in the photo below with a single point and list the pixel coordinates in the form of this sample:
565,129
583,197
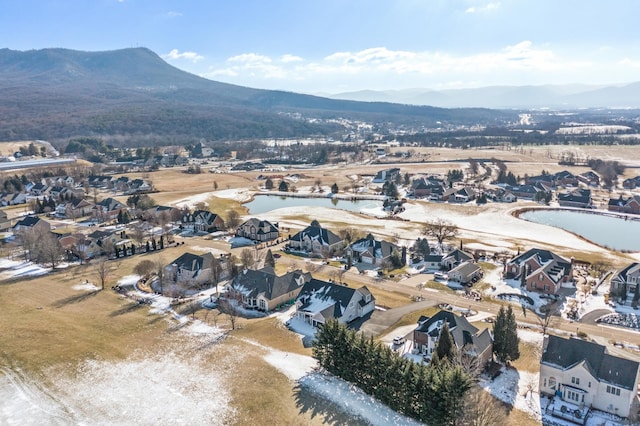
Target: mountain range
56,94
571,96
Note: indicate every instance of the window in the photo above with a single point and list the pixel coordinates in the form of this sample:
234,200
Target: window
552,383
589,384
613,390
575,380
545,382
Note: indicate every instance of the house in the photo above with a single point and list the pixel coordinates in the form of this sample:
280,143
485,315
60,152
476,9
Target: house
264,290
544,270
190,269
40,189
12,199
387,175
466,337
433,262
580,198
565,178
524,191
631,183
320,301
203,221
590,178
625,280
163,213
371,251
582,373
455,258
258,230
465,273
459,195
75,208
40,226
431,186
108,209
200,150
620,205
316,240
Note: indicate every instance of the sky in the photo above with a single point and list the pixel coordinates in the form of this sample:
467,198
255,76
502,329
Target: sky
335,46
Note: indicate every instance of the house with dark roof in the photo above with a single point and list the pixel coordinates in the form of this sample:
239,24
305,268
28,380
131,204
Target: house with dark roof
466,337
32,223
631,183
629,205
387,175
524,191
584,374
625,280
316,240
258,230
203,221
371,251
565,178
459,195
455,258
192,269
580,198
430,186
320,301
590,178
264,290
544,270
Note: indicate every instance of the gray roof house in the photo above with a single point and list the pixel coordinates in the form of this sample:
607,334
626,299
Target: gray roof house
316,240
465,336
264,290
371,251
320,301
258,230
584,375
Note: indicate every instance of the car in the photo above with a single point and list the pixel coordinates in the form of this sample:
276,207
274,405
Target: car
398,340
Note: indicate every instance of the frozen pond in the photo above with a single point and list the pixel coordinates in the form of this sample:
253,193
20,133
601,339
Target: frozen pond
608,231
266,203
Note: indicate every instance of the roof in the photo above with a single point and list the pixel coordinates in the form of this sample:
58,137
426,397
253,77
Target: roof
466,269
622,274
253,283
28,221
327,298
566,353
317,233
378,249
262,226
462,331
189,261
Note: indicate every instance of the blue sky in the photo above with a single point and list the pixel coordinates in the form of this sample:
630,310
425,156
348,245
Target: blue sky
335,46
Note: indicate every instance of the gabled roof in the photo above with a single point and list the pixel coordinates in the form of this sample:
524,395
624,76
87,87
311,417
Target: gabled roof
317,233
260,225
622,274
462,331
567,353
466,268
458,255
110,204
253,283
189,262
378,249
327,298
28,221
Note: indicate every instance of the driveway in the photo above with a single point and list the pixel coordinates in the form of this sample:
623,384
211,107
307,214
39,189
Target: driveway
381,320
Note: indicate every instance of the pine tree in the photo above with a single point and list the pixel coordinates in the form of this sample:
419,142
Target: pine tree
444,346
512,341
499,333
269,259
334,188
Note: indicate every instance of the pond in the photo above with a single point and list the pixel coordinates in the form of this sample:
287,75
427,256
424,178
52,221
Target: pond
609,231
266,203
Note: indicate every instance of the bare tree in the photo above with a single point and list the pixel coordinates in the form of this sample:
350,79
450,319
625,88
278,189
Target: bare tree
247,258
546,322
233,219
482,409
144,267
138,235
102,270
440,229
159,270
29,239
49,250
230,308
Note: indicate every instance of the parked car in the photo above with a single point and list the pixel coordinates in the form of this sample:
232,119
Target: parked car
398,340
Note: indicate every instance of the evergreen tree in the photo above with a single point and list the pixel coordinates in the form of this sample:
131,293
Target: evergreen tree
512,341
505,336
161,242
153,244
268,184
499,333
147,247
269,259
334,188
445,348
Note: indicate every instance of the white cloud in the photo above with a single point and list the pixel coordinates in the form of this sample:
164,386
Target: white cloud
383,68
483,9
290,58
189,56
173,14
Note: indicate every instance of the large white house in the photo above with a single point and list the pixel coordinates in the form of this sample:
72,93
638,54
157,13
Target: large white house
583,374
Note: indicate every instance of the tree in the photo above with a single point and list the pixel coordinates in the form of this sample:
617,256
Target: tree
283,186
144,267
230,308
269,260
49,250
102,271
421,247
268,184
247,258
334,188
505,336
482,409
441,230
445,348
233,219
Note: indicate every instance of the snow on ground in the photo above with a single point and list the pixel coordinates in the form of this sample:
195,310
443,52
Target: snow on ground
86,286
239,194
499,287
23,269
511,386
353,400
292,365
530,336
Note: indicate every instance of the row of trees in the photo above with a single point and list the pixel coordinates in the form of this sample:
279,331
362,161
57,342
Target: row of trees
435,394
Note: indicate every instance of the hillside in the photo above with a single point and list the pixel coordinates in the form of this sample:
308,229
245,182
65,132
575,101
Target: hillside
133,93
